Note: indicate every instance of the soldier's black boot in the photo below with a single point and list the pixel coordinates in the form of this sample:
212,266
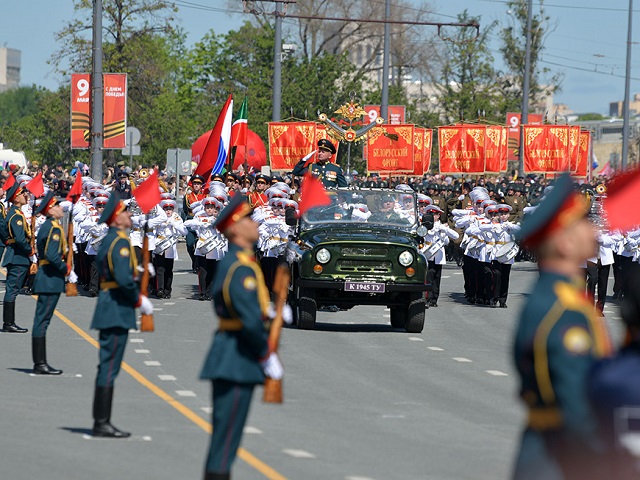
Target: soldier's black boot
39,353
102,427
9,319
217,476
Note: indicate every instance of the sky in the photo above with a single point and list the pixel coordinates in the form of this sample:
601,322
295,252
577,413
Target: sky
586,44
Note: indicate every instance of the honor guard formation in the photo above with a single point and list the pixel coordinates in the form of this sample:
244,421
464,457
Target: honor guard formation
236,228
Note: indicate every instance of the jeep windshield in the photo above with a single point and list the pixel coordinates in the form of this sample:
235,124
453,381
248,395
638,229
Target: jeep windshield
386,208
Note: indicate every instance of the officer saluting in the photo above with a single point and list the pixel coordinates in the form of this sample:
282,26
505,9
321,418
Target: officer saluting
115,311
49,282
240,355
558,341
16,258
329,173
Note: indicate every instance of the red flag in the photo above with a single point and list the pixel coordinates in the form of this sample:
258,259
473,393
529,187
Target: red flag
215,154
623,191
312,194
76,190
8,183
36,186
147,194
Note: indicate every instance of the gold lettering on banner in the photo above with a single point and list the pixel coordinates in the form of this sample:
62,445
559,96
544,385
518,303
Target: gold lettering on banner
390,152
457,154
390,163
547,153
289,151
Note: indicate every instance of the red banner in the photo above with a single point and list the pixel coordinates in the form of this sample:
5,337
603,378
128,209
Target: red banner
546,148
574,147
418,151
390,149
513,123
396,114
426,151
80,110
115,110
289,142
584,151
495,149
462,148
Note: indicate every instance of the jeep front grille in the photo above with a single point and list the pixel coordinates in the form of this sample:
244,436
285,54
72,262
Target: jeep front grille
364,266
353,251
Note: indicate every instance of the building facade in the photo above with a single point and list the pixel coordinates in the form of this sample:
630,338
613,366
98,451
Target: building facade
9,68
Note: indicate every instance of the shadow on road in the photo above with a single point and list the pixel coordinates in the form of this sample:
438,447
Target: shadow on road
355,328
22,370
79,431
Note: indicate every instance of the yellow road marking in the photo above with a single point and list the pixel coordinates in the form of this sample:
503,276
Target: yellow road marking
243,454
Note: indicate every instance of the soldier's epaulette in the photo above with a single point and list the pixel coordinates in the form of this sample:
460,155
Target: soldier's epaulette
571,298
246,258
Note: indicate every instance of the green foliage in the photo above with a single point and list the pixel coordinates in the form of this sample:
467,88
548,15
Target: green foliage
585,117
18,103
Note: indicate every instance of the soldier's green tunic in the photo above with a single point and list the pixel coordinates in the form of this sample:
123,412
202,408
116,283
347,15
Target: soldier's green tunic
329,174
557,342
241,300
16,257
115,311
4,232
49,281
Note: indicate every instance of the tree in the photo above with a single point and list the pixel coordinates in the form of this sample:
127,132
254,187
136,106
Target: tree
18,103
468,82
513,50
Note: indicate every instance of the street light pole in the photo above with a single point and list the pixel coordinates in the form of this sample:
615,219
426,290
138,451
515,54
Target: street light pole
277,65
384,107
524,118
96,94
627,88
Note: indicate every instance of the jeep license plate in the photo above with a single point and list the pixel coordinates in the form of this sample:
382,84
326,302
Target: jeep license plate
366,287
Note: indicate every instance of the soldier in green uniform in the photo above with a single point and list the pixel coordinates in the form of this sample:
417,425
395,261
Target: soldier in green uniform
558,341
329,173
49,282
115,311
4,232
240,355
17,257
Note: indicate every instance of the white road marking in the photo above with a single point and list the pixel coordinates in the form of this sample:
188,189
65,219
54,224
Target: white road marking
457,273
393,416
180,273
185,393
141,350
169,303
416,339
462,359
167,378
137,340
155,309
298,453
354,477
386,314
132,438
208,410
497,373
253,430
436,349
67,375
152,363
445,276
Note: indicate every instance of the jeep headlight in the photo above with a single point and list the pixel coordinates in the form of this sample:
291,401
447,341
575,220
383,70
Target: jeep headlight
421,231
323,256
405,258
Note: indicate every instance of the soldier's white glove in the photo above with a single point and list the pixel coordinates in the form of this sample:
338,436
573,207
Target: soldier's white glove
150,268
146,307
272,367
33,259
75,248
461,197
72,277
287,313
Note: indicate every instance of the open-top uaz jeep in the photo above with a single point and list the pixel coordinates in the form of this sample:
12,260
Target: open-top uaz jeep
360,250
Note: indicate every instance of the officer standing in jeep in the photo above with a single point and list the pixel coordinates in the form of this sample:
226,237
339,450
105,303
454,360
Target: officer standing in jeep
329,173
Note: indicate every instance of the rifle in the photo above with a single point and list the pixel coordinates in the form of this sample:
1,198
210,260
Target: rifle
146,320
273,388
71,288
33,268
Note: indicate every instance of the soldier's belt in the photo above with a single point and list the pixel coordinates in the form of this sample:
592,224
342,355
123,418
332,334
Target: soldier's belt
108,285
544,418
230,325
43,262
11,241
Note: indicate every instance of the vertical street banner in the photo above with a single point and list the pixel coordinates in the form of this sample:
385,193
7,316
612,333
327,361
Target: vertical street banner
396,114
462,148
390,149
426,151
289,142
513,124
115,110
80,110
584,151
546,148
495,149
418,153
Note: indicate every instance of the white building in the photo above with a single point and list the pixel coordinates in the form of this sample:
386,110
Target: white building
9,68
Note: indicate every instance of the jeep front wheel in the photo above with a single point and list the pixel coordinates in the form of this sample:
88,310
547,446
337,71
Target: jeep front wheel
415,316
306,313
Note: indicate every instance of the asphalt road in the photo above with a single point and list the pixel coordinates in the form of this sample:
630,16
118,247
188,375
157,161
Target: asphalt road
362,401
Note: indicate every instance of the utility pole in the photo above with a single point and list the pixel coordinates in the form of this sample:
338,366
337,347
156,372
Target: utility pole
96,94
524,118
277,64
627,88
384,106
